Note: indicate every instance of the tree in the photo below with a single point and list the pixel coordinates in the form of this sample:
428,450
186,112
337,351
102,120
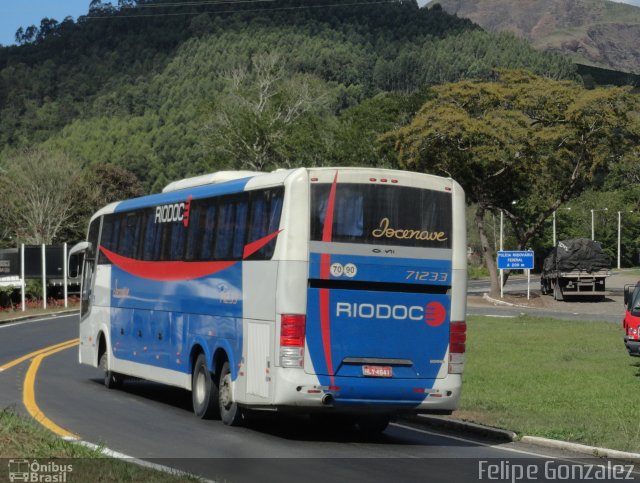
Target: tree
6,231
262,105
95,187
37,186
19,36
48,26
520,138
359,127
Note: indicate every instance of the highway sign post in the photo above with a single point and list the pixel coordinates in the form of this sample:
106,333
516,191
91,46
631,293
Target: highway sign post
516,260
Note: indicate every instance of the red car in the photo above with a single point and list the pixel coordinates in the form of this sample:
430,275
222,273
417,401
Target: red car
631,322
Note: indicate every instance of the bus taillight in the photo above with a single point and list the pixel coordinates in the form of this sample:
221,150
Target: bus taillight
292,332
457,346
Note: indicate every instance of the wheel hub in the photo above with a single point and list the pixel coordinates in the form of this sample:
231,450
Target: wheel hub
200,388
225,392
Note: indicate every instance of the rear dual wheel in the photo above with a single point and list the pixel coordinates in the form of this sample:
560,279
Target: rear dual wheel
204,391
230,413
212,396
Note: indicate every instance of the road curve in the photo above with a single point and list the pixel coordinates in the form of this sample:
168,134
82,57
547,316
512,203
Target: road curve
155,422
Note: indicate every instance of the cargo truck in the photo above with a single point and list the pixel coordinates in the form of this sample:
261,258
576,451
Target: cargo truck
576,268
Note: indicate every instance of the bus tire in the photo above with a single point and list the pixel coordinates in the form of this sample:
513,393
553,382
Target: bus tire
373,424
230,413
112,380
204,390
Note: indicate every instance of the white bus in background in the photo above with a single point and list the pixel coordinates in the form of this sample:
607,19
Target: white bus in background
329,290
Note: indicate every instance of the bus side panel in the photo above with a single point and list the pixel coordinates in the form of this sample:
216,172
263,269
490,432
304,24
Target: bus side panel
157,323
254,384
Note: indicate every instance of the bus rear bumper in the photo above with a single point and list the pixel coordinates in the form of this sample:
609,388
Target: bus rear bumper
348,394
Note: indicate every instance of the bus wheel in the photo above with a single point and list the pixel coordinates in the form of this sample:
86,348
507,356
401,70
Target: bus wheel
112,380
204,391
373,424
230,413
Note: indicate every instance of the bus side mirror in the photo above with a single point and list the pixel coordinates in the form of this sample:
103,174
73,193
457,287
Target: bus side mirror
77,249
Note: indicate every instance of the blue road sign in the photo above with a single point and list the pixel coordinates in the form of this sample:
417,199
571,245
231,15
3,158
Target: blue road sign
515,260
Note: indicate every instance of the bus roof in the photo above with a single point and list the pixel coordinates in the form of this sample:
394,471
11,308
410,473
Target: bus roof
227,182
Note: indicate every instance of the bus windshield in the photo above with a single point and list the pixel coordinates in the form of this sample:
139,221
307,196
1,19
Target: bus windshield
383,215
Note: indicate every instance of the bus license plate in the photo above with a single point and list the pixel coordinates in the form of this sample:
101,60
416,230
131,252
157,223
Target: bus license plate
377,371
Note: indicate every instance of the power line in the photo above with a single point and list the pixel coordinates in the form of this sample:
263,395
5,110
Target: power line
248,10
188,4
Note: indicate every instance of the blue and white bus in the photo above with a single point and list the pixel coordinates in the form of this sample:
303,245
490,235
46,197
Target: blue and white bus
328,290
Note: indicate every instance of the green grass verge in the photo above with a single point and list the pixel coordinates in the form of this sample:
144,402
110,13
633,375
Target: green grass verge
566,380
22,438
630,271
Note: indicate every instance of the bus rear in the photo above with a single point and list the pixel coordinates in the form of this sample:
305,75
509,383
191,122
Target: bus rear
386,293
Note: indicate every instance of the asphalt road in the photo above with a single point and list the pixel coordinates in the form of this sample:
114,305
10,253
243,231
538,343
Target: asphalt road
155,422
582,309
515,284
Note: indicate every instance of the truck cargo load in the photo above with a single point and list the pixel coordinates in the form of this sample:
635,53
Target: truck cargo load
575,267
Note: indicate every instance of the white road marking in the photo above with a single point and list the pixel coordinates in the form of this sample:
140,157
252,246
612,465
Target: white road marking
130,459
486,445
32,321
478,443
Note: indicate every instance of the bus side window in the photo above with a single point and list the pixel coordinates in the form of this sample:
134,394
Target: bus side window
266,208
208,231
178,236
105,239
109,239
151,237
92,238
129,234
224,233
240,228
195,231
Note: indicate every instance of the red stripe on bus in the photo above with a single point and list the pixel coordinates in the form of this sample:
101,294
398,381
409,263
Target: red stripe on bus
327,230
328,219
325,270
173,271
165,271
253,247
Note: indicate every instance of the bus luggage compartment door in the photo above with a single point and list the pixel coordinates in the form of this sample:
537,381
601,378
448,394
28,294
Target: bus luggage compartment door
358,333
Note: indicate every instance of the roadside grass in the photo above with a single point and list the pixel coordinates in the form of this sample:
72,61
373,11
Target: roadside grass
14,314
566,380
22,438
630,271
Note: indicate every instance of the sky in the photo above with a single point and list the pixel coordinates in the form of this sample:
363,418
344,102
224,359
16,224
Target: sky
22,13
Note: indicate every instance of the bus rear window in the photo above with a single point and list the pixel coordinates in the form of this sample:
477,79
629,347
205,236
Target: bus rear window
383,215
